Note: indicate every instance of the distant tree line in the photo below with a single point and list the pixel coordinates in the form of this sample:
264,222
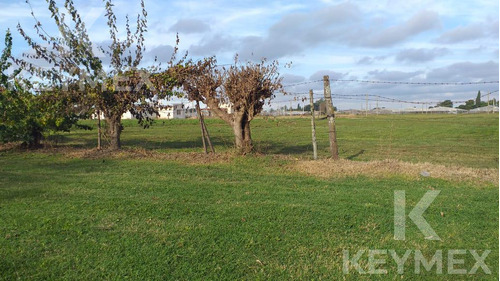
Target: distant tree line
470,104
319,106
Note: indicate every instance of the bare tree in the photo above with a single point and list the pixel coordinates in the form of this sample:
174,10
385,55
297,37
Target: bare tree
121,87
243,87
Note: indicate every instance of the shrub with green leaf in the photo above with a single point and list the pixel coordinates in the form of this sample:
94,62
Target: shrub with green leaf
24,115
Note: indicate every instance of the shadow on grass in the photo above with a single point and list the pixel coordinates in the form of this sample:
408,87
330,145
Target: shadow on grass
12,194
269,147
175,144
356,155
266,147
86,142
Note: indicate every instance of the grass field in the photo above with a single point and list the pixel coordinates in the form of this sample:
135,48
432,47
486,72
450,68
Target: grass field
70,216
466,140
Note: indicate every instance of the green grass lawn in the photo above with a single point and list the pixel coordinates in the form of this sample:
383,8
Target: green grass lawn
247,218
464,140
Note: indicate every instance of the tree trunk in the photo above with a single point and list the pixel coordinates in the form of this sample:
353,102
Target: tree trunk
238,134
99,130
36,139
114,132
248,136
242,135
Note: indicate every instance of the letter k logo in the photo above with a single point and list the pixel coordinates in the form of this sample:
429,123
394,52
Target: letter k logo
415,215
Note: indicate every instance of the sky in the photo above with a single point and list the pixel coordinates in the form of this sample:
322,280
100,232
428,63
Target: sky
416,41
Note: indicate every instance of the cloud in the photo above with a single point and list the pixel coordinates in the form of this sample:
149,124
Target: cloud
422,21
420,55
385,75
18,11
162,53
101,49
466,72
461,34
318,75
370,60
256,48
189,26
492,28
212,45
338,24
296,32
366,60
496,53
292,78
469,32
379,40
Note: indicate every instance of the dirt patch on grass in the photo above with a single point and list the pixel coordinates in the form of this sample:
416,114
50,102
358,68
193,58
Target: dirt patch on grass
139,153
9,146
349,116
388,168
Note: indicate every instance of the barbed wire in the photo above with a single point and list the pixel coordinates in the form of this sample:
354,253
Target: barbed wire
362,97
395,82
489,93
302,83
416,83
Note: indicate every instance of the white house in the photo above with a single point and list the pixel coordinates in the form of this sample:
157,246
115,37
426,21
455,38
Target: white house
174,111
484,109
94,116
442,109
228,107
190,112
128,115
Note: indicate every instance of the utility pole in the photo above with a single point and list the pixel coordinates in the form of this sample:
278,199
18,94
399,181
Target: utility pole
313,125
200,117
488,102
99,133
290,107
377,105
205,137
208,137
366,108
330,113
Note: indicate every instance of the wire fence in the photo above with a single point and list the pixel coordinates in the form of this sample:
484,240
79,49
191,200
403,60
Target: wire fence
395,82
304,96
